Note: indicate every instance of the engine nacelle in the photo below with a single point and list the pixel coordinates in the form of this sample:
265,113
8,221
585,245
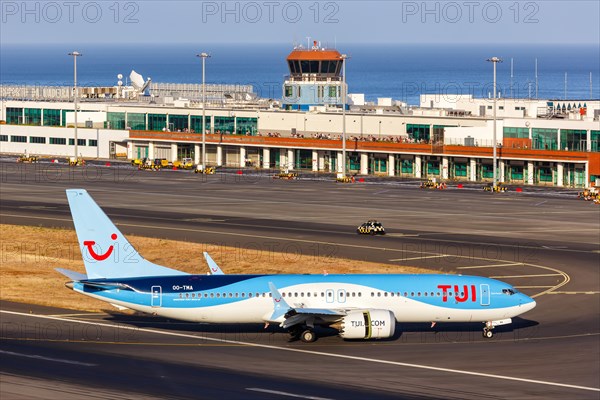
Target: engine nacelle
367,324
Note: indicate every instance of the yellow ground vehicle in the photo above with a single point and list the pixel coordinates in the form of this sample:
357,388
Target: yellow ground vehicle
432,184
76,161
161,162
286,175
590,194
371,227
138,162
186,163
200,170
498,189
27,159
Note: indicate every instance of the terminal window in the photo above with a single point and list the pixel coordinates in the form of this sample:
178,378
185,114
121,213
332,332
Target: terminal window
18,139
37,139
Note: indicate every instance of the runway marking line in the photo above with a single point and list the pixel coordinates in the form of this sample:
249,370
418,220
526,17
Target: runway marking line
522,276
38,357
314,352
422,258
286,394
490,266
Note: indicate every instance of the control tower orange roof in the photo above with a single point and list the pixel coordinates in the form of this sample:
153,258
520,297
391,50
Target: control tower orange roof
314,55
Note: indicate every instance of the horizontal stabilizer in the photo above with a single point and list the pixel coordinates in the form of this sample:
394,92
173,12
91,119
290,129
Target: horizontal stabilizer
107,285
76,276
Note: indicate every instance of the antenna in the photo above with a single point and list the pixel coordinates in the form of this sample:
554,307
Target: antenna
511,78
307,42
591,86
536,79
565,86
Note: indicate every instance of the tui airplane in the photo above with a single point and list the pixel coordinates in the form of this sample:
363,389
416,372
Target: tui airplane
365,306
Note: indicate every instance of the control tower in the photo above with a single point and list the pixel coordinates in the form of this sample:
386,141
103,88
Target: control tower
315,78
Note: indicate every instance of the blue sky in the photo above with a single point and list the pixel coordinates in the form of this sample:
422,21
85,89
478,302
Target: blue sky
266,21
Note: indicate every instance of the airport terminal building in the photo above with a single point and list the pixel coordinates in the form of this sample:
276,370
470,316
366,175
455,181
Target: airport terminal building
539,142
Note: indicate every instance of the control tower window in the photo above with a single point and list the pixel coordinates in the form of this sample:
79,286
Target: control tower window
324,67
314,67
332,67
292,66
304,65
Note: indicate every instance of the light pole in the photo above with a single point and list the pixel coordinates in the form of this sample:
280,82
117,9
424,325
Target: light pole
494,60
204,56
75,54
343,57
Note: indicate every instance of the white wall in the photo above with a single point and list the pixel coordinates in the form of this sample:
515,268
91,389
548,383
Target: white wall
103,136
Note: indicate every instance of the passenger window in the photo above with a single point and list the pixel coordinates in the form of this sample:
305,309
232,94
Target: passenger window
412,294
187,295
405,294
425,294
212,295
218,295
359,294
243,294
193,295
418,294
378,294
307,294
181,295
385,294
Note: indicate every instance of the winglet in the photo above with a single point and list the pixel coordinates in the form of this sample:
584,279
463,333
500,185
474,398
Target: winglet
212,265
280,306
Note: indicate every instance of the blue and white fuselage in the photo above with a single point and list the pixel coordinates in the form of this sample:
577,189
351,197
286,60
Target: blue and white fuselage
359,306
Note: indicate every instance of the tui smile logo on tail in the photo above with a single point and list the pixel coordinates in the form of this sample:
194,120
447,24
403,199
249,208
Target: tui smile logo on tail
99,257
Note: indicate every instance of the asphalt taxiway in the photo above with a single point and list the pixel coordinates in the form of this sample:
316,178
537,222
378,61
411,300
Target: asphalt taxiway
545,243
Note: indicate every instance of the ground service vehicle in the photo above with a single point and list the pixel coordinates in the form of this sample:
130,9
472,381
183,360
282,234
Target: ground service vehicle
371,227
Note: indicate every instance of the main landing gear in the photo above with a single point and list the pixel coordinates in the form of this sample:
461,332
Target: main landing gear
304,333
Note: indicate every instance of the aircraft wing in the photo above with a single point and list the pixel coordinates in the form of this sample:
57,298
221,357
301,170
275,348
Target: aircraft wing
310,316
289,316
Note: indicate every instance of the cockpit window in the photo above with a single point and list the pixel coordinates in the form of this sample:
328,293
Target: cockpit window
509,292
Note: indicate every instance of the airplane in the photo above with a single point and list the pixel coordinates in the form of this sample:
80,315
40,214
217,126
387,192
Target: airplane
358,306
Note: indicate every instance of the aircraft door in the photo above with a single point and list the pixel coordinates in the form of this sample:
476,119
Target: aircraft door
484,290
156,296
329,295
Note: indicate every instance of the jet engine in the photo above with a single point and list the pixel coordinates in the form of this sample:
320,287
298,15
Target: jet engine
367,324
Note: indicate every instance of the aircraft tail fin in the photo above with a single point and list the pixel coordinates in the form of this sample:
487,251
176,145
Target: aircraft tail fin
105,250
214,268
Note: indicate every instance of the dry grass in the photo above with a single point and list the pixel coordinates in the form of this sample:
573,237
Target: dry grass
30,254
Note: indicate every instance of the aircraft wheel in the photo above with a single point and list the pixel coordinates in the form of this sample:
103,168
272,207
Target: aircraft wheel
308,336
488,334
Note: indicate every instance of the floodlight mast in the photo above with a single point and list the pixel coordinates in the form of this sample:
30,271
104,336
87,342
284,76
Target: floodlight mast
494,60
75,54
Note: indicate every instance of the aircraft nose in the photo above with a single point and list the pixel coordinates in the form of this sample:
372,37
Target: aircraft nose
528,303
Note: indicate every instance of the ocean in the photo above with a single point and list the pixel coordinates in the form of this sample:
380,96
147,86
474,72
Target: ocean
401,72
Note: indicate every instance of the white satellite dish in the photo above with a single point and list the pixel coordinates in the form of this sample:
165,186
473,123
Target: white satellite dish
120,83
120,76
